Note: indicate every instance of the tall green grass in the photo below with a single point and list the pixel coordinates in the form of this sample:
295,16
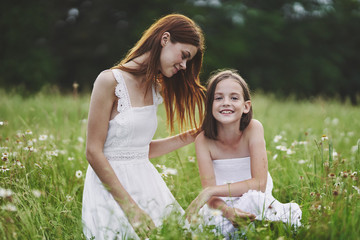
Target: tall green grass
313,153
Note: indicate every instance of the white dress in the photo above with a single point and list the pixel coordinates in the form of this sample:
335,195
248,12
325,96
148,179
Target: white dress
127,149
263,205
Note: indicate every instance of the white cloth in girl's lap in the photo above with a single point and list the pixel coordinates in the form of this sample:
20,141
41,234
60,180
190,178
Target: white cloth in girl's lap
127,149
263,205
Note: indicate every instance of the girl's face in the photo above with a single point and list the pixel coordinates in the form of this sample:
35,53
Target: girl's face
174,56
229,105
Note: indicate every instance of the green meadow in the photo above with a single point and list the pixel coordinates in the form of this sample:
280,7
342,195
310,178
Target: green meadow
313,154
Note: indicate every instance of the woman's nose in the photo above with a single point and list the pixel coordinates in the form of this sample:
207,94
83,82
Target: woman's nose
183,64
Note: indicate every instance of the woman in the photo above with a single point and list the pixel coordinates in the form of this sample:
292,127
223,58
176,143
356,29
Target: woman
124,195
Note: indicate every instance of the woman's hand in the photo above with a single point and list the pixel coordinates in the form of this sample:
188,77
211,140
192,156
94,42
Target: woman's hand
198,202
141,222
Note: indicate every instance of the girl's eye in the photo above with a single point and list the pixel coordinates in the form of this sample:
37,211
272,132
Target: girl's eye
234,98
218,98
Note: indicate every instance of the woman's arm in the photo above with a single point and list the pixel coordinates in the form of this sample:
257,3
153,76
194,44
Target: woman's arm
163,146
101,103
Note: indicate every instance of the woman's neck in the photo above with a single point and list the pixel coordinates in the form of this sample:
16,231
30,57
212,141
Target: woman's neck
138,61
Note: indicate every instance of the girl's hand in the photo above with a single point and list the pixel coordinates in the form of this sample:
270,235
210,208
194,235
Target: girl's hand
141,222
236,215
198,202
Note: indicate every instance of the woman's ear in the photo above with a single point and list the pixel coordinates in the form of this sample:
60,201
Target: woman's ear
165,38
247,106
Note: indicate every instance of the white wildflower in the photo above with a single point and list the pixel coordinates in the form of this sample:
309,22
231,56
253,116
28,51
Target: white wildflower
71,158
191,159
62,152
69,198
335,121
5,156
43,137
36,193
275,156
1,123
9,207
357,189
4,193
80,139
29,148
350,134
161,166
36,164
215,212
281,148
302,161
324,137
28,132
52,153
4,169
289,151
171,171
78,174
277,138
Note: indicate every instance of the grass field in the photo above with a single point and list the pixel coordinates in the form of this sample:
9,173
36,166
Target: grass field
313,153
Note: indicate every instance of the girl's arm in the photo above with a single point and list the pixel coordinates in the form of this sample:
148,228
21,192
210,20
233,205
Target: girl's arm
163,146
257,149
101,103
259,166
207,176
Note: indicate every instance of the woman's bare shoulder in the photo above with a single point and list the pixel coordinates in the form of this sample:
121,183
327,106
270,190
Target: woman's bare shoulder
105,80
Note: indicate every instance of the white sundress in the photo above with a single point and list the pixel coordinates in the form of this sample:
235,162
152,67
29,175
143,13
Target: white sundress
263,205
127,149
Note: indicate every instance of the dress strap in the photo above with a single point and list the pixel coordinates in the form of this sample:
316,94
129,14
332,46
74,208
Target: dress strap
121,91
157,98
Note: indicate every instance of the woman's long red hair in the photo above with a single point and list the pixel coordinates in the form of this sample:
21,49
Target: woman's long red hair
183,93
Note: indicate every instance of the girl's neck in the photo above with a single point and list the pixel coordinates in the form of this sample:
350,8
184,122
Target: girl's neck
229,134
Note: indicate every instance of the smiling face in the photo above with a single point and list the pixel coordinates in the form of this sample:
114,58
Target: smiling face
229,105
174,56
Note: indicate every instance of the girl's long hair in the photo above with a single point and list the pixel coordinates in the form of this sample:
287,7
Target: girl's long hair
183,93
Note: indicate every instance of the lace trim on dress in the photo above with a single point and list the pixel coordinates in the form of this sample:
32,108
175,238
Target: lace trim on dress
127,155
121,92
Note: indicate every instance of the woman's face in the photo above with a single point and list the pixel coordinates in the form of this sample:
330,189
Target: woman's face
174,56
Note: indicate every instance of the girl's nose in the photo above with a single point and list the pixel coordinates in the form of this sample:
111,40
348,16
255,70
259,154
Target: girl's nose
226,101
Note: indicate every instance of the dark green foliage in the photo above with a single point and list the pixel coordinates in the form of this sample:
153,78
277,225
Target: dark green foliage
303,48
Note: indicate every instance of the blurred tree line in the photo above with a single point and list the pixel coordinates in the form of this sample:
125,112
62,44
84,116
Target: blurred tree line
303,48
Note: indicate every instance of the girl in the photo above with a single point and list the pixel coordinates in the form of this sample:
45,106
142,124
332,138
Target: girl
124,195
232,160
